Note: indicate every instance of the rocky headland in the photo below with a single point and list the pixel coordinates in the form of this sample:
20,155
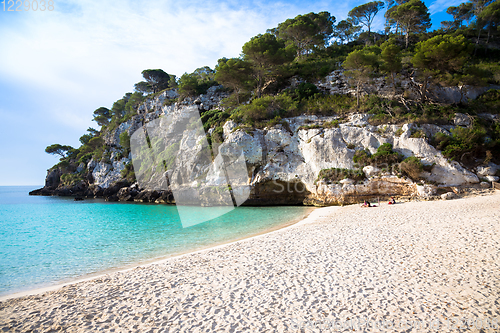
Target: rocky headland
284,160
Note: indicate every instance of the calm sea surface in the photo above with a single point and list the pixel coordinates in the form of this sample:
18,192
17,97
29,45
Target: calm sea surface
48,240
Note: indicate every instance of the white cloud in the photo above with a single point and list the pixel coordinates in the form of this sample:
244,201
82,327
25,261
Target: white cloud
441,5
89,53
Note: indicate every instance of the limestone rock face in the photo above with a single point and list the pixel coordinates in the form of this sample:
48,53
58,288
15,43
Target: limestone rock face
282,162
348,193
370,171
105,174
278,155
489,170
462,120
228,127
426,190
492,178
113,138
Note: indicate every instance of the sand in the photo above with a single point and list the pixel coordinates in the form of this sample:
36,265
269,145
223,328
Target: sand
411,267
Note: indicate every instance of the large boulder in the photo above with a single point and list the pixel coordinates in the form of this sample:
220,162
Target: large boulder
114,188
147,196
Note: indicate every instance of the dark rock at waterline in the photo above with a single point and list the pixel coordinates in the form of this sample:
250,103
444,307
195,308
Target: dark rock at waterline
94,191
113,197
79,189
166,197
147,196
277,192
114,188
42,191
126,194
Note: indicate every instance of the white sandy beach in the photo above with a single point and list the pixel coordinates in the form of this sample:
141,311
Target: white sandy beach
411,267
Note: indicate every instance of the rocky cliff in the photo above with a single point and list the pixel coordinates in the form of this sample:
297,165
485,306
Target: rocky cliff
283,161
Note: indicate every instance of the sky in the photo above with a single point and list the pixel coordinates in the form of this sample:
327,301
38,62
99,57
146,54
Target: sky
57,66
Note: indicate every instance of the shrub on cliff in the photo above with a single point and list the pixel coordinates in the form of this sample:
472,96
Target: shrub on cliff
213,118
128,172
465,144
383,158
333,175
265,108
84,158
412,167
385,155
488,102
362,158
70,179
125,141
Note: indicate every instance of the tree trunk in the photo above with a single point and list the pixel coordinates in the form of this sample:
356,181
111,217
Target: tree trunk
393,83
407,38
488,38
477,41
259,86
423,89
357,95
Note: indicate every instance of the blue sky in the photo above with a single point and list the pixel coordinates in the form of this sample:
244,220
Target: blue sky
57,67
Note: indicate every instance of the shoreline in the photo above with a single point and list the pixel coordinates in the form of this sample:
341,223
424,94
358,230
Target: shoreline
157,260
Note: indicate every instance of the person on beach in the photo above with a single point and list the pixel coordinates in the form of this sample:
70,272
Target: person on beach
366,204
392,201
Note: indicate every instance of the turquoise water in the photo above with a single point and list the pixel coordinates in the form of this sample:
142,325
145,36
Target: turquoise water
48,240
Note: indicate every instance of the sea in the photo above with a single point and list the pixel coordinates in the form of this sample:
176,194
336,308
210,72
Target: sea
46,241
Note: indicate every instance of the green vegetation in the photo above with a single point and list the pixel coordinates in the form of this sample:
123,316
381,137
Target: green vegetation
102,116
327,124
384,157
365,13
419,134
439,56
360,65
125,140
346,31
70,179
57,149
196,83
390,57
412,17
334,175
470,145
235,74
156,80
362,158
412,167
128,173
306,33
266,53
